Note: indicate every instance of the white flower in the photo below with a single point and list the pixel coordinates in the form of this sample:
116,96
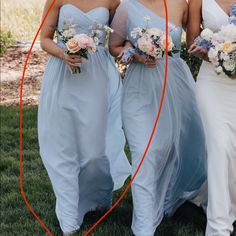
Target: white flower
147,18
224,56
229,65
219,69
136,32
228,33
68,33
213,54
108,29
207,34
154,32
96,40
145,44
219,47
98,25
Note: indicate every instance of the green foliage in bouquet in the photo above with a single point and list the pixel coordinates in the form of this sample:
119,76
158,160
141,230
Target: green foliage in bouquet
193,62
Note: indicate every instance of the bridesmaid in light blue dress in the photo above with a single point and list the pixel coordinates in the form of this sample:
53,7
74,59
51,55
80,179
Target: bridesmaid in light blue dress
79,118
175,166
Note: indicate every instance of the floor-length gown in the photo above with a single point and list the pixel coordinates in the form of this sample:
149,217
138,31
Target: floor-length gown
216,96
175,165
79,125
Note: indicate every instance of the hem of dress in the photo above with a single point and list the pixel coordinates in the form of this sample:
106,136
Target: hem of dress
121,183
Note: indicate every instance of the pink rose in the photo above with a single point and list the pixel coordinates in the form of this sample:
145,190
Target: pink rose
84,41
145,44
163,43
152,51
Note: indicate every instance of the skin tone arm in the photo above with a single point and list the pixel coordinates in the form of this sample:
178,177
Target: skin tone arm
113,5
185,15
120,45
47,35
194,29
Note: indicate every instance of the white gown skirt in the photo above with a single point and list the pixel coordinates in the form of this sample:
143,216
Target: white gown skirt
216,97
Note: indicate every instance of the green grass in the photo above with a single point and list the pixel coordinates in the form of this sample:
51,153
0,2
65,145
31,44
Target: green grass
16,219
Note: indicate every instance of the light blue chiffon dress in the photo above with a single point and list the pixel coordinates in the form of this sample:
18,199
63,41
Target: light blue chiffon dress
79,126
175,165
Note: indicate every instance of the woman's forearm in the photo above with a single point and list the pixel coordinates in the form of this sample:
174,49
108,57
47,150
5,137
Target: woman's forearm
116,51
49,46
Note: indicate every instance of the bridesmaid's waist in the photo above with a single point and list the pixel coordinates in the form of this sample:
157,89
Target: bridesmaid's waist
60,44
101,53
162,61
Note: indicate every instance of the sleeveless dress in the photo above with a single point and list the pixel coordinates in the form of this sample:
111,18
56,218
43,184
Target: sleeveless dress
175,165
216,96
80,128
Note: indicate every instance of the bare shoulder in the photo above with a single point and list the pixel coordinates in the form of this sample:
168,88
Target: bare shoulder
56,4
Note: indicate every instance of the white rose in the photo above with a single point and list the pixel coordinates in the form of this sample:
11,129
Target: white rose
219,47
144,44
219,70
228,33
229,65
224,56
212,54
207,34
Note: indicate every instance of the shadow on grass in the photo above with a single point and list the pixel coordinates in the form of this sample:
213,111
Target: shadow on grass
188,220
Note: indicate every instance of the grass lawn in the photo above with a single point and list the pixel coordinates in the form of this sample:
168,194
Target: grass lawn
16,219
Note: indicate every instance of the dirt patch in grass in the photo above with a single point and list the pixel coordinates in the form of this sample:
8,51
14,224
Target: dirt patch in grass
11,73
12,64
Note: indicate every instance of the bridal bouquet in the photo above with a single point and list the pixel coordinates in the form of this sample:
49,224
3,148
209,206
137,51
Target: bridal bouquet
81,44
221,46
151,42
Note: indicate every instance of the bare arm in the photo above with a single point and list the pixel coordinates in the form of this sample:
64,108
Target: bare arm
48,30
47,35
113,5
194,21
185,15
194,29
118,37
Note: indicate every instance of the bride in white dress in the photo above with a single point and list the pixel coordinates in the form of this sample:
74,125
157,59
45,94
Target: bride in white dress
216,95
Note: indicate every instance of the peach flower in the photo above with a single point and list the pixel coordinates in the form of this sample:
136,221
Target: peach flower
73,45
